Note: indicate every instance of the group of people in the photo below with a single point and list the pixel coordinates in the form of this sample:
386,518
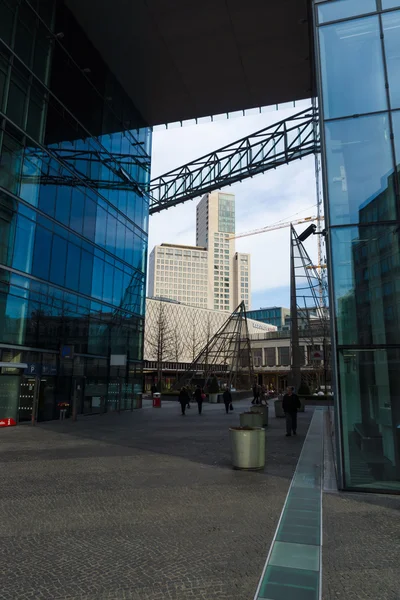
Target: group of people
199,397
260,394
290,403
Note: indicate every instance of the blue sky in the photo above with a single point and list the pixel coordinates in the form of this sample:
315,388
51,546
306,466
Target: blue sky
285,194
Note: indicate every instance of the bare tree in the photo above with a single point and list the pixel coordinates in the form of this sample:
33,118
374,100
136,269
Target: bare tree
194,338
207,335
159,337
177,348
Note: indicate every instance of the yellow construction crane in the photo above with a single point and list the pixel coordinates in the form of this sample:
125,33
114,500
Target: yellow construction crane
277,226
287,224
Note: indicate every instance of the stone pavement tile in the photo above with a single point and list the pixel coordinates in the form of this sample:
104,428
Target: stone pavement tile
138,506
361,550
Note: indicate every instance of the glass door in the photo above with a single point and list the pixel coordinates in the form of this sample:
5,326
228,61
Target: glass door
9,396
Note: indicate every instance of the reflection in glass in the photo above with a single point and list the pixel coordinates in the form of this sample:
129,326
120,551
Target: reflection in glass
390,4
360,167
396,132
353,79
24,238
341,9
391,30
370,397
366,281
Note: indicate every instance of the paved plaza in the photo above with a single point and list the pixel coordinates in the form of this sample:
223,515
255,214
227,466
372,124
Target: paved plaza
146,506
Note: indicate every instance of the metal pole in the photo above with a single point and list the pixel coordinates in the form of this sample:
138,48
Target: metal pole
35,403
74,400
295,375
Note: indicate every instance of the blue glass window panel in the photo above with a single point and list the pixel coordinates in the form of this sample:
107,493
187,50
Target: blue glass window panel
13,324
139,211
145,222
396,132
122,201
369,384
365,280
111,233
77,208
118,283
47,199
73,267
42,253
89,222
85,280
353,80
101,227
129,243
341,9
108,288
130,209
120,244
23,247
58,261
63,204
360,170
390,4
391,30
98,275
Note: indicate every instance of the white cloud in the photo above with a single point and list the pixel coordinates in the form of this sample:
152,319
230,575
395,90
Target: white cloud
264,200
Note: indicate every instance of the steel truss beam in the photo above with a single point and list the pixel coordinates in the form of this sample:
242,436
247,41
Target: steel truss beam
275,145
280,143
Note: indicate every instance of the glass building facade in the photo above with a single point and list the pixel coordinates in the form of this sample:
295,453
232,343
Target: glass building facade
74,161
276,315
358,52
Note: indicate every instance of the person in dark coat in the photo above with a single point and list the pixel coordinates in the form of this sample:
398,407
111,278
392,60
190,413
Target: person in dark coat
227,398
255,389
153,389
290,404
184,399
199,396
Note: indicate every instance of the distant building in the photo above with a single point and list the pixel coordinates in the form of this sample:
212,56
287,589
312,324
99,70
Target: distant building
215,226
211,274
275,315
179,273
175,333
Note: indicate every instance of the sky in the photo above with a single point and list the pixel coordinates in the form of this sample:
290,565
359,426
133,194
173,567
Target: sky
285,194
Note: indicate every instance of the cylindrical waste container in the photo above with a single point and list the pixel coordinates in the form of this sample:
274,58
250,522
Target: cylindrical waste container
156,400
247,447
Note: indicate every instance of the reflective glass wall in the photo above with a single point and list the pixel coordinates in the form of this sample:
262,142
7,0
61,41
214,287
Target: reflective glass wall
358,45
74,162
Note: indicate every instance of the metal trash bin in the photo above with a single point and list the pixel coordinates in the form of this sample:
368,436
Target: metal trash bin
156,400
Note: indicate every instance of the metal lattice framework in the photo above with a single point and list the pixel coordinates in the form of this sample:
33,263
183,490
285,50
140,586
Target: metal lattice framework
309,310
275,145
227,354
93,168
280,143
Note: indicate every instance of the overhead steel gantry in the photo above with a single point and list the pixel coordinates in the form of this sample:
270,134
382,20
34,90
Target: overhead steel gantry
278,144
275,145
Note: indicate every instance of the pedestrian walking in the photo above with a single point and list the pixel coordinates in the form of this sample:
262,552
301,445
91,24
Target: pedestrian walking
290,404
199,396
184,399
255,389
227,398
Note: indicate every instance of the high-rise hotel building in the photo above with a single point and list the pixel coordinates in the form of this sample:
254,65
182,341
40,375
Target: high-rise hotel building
211,274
